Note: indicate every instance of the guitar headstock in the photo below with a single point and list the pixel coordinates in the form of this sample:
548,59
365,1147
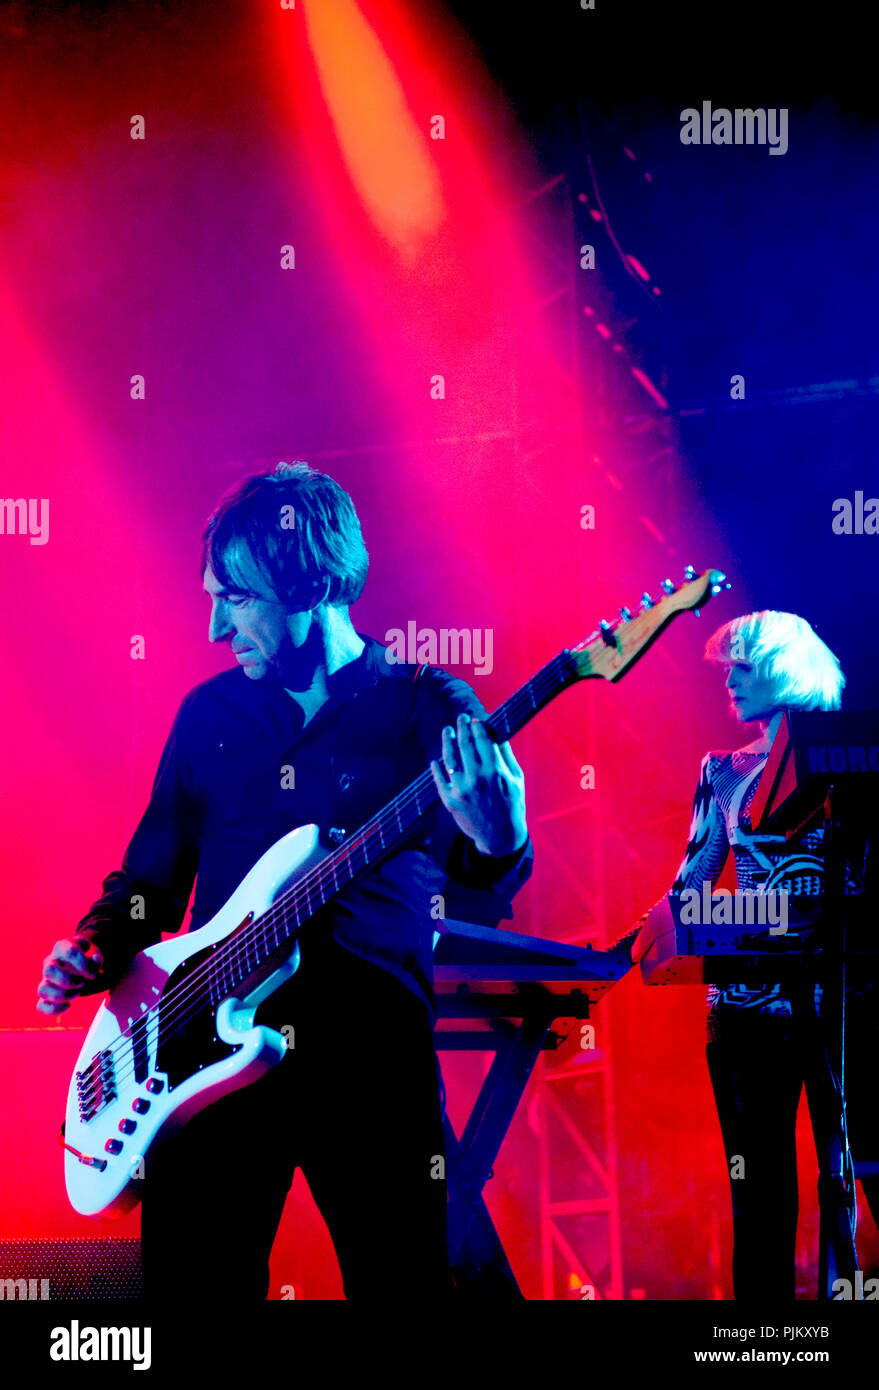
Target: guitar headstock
615,646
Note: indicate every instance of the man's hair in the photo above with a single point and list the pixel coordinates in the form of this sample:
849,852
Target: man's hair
301,530
802,671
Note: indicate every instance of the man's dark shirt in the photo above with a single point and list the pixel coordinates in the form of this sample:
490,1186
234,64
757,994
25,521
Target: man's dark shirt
219,801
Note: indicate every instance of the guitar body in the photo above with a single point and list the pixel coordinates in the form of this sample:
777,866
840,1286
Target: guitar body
136,1083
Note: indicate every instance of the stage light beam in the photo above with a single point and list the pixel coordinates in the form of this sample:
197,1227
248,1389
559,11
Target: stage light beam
385,152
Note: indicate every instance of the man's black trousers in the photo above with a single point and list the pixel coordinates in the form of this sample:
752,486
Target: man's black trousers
355,1103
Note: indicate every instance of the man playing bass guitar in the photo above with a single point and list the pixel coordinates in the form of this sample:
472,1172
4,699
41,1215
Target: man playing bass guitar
313,725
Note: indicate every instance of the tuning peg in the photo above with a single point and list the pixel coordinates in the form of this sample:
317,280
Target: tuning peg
689,572
606,633
625,614
668,586
717,578
646,601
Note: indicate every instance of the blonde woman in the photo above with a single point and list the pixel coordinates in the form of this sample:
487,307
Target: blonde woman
764,1043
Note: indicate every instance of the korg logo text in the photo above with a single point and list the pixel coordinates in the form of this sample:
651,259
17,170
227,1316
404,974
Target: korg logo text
835,758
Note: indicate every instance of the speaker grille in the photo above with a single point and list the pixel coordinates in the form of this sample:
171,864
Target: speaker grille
70,1269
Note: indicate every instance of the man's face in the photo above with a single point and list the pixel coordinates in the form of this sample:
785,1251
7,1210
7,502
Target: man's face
263,635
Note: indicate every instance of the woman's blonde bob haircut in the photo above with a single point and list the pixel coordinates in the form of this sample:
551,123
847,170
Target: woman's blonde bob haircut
802,671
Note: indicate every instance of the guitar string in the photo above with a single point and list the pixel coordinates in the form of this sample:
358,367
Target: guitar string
301,893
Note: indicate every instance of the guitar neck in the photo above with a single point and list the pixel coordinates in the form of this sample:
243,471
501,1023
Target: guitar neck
262,938
608,653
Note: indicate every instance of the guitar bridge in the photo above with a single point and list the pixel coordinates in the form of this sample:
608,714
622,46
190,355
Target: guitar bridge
96,1085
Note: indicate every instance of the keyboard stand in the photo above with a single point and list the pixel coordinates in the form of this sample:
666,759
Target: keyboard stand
516,987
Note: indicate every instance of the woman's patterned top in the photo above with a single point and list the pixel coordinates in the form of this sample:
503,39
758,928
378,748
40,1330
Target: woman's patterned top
720,822
764,862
